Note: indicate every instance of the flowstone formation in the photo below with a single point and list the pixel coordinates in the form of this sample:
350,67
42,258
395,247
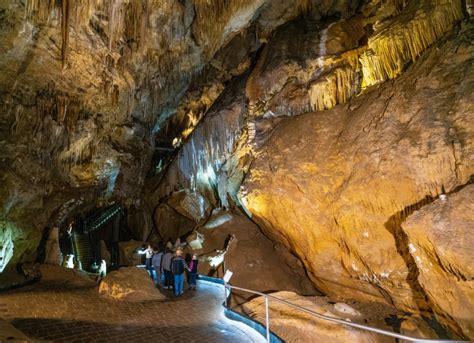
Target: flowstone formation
337,185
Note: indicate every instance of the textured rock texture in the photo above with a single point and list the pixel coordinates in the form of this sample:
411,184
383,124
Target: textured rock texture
131,284
128,253
64,276
256,261
416,327
441,238
335,186
53,252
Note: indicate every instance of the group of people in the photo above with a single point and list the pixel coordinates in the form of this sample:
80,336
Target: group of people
168,269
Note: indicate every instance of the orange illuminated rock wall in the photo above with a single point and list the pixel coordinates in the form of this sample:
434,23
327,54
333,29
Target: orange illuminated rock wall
441,238
336,186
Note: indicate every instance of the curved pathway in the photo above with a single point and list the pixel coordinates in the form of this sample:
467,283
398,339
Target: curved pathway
72,313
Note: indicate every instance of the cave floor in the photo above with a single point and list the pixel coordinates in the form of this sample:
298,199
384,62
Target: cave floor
74,313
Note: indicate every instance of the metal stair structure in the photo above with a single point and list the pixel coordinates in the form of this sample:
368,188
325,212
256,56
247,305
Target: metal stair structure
96,221
83,249
82,240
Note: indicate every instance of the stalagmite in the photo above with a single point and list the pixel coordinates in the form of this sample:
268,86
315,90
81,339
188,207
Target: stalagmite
53,253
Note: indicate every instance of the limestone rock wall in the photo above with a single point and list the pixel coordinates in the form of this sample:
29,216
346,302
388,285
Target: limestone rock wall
336,185
440,238
293,325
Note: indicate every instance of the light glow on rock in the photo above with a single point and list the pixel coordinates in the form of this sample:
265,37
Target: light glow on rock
6,245
216,261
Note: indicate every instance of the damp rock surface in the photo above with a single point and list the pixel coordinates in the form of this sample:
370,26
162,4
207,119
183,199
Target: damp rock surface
54,274
166,107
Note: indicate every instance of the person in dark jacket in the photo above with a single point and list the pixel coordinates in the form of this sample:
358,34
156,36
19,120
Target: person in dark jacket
166,266
193,268
188,259
156,261
178,265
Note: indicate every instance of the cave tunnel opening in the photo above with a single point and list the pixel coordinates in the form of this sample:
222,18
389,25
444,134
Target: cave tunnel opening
93,236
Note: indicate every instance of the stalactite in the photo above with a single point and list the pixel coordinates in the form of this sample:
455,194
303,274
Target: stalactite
43,11
385,56
128,20
403,41
136,21
305,7
78,151
61,108
17,126
73,110
202,157
65,14
336,87
210,32
40,10
81,12
116,15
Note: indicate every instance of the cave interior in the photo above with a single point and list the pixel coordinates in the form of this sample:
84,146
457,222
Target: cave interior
321,150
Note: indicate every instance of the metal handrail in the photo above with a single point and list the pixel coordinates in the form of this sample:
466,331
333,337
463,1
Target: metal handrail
324,317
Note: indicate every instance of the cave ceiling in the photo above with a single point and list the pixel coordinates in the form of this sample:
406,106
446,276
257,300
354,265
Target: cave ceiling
97,94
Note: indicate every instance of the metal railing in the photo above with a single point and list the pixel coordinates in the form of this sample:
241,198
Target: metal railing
228,288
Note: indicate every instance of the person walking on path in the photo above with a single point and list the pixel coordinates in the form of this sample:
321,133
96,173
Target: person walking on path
157,261
166,265
178,266
148,252
193,268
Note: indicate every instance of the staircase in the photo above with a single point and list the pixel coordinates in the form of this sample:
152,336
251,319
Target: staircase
97,220
83,249
82,241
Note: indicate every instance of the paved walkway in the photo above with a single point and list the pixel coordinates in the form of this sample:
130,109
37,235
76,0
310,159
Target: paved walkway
67,313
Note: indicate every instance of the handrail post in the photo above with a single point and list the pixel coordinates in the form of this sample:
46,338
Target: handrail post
267,319
225,294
